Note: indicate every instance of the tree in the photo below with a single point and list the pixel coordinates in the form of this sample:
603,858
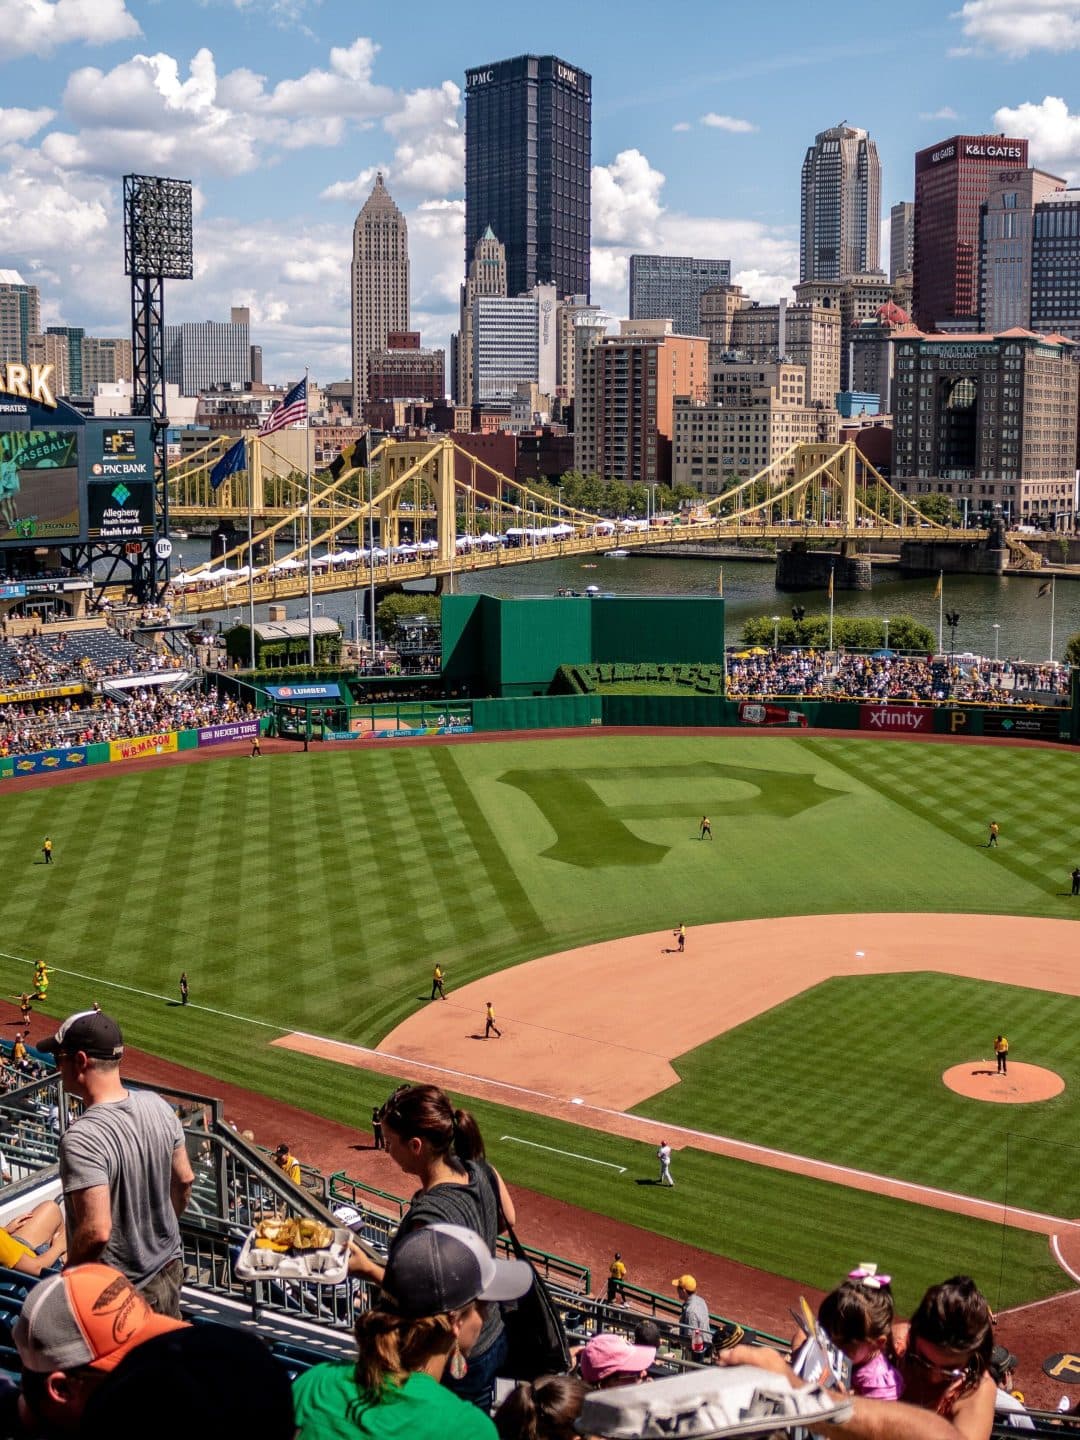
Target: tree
854,632
1072,650
938,507
396,607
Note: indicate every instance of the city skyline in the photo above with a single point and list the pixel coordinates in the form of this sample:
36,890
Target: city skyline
282,110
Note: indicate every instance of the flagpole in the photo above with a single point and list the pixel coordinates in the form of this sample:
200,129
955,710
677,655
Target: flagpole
832,602
251,553
1053,596
310,577
940,611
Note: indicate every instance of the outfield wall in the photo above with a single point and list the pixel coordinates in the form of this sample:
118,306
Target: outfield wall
116,752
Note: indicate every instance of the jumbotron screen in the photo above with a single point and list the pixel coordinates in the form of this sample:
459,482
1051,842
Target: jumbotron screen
39,485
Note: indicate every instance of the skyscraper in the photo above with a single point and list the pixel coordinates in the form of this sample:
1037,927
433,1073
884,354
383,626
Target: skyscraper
670,287
20,315
202,355
380,282
1055,265
841,205
528,152
901,238
486,276
952,180
1005,246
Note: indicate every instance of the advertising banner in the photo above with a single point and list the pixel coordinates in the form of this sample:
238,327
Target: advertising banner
140,745
427,730
42,762
1025,725
897,719
12,592
303,692
120,489
222,734
751,712
46,692
39,485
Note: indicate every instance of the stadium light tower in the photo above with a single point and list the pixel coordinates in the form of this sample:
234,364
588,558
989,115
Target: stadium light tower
157,247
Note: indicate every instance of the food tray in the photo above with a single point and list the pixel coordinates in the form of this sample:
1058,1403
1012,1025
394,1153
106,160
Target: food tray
318,1267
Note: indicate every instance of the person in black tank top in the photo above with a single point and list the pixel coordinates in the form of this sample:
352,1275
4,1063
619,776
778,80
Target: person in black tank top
442,1147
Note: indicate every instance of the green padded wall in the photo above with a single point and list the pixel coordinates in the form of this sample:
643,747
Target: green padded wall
671,629
462,637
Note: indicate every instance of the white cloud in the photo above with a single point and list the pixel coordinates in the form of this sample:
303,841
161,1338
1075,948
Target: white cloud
1053,130
425,109
16,124
946,112
358,190
1016,27
730,123
37,27
681,126
345,89
626,200
629,215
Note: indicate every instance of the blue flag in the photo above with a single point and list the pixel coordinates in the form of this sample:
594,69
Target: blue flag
234,459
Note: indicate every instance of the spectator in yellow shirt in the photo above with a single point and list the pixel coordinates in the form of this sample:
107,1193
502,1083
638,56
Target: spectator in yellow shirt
616,1289
287,1162
35,1241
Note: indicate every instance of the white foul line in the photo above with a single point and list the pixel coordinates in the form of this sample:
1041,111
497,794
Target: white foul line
147,994
570,1154
1058,1257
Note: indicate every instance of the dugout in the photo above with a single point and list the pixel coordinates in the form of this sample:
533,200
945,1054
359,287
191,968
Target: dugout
513,647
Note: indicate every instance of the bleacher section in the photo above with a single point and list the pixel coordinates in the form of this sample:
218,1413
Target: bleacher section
56,658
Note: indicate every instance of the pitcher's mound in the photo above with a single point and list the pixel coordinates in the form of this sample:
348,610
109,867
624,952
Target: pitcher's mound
1023,1085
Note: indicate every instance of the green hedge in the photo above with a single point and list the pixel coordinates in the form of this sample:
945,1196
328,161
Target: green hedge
592,679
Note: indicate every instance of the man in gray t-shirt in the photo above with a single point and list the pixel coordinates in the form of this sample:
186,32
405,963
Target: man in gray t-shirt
694,1317
124,1167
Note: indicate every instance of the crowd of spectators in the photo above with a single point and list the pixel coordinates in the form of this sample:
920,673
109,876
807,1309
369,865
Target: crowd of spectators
35,660
833,676
25,729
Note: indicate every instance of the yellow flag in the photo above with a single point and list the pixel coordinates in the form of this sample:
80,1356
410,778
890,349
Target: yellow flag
832,577
937,587
720,582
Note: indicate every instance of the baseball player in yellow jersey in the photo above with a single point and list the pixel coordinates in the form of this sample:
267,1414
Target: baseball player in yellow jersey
1001,1050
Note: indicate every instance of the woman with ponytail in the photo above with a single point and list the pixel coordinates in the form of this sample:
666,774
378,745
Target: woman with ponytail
443,1149
439,1283
546,1409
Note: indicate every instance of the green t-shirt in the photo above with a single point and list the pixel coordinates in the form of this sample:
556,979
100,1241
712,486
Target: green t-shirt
330,1407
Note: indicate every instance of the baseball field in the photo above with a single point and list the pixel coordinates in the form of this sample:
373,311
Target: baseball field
310,896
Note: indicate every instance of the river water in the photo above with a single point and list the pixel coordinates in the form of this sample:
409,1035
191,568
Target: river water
1011,602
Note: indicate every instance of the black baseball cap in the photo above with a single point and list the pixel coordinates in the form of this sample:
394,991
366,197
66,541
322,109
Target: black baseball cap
440,1268
92,1031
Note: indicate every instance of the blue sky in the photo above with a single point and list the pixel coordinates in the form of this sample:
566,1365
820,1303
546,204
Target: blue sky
280,111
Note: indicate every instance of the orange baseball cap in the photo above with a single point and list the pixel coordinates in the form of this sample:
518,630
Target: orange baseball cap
89,1315
685,1282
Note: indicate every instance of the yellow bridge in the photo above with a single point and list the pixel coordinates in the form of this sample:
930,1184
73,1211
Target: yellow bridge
463,515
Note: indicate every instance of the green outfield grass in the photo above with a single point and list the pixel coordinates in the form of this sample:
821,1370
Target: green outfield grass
315,892
867,1053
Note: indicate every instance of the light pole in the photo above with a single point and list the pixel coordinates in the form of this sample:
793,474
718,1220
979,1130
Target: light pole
776,632
886,632
996,627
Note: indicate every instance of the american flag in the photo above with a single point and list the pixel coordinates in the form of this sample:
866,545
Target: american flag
291,411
